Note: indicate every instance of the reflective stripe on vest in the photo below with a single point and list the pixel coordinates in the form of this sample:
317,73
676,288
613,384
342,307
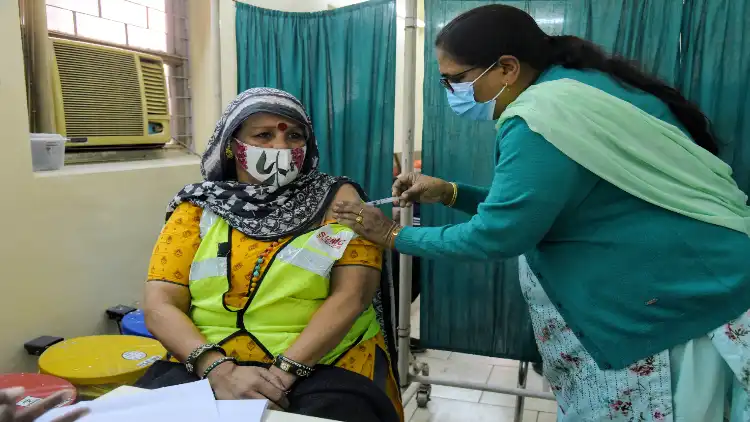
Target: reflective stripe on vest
318,254
307,259
208,219
208,266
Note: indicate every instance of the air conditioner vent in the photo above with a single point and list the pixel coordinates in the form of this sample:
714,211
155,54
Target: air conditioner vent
154,86
100,91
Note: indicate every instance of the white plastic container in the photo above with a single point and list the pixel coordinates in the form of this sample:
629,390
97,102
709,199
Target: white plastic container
47,151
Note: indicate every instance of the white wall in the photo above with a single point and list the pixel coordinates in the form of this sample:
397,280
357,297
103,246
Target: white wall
205,70
74,242
291,5
342,3
227,14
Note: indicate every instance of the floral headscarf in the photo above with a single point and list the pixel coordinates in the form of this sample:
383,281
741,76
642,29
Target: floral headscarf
261,212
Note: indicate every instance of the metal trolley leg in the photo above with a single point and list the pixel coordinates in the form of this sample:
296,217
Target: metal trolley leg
425,390
523,373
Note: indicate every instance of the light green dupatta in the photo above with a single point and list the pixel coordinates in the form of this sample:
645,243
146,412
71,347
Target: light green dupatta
640,154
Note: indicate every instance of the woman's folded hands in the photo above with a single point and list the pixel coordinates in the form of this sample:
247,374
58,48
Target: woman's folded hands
235,382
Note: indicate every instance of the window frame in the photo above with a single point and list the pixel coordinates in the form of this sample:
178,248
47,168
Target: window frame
176,60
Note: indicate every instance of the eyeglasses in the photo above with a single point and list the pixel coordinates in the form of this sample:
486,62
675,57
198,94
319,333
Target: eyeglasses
445,81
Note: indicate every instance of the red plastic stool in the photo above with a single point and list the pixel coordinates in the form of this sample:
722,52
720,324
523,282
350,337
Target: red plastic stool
38,387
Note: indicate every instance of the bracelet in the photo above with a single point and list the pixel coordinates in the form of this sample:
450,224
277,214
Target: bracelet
291,367
455,195
216,364
389,237
392,236
198,352
392,231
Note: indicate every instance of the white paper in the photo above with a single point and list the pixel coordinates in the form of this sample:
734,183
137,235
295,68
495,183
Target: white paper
241,410
122,391
186,402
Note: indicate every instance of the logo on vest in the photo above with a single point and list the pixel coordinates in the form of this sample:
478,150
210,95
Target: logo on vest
334,242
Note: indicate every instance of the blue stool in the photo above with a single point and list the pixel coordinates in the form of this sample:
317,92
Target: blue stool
133,324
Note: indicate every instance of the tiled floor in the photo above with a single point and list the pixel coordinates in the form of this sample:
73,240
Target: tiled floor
449,404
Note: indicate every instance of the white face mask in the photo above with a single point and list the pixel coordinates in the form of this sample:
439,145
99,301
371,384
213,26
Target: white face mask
271,166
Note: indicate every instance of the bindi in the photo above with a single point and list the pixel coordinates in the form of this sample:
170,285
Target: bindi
283,126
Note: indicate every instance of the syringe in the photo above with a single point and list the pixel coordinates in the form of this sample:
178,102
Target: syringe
382,201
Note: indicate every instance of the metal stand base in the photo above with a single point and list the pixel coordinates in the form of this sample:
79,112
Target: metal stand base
523,373
420,386
424,391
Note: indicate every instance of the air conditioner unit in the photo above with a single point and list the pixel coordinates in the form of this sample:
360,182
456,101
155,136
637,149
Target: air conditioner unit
108,97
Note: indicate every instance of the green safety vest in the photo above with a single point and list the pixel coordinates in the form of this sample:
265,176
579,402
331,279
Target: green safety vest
294,286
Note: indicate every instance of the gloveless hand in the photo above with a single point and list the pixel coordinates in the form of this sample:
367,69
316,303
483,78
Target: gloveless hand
367,221
416,187
287,379
234,382
8,413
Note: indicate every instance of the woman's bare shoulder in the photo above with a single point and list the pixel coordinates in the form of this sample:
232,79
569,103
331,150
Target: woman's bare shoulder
347,193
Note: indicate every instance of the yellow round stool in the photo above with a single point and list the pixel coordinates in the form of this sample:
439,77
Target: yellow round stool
98,364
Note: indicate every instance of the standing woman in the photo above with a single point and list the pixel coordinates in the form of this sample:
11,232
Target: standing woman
634,239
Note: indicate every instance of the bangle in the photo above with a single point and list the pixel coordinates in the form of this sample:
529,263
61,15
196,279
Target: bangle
198,352
392,236
291,367
389,236
455,195
216,364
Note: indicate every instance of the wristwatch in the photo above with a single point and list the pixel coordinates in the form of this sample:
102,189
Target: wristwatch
291,367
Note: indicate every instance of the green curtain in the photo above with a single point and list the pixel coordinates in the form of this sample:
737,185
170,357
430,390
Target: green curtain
644,30
469,307
714,74
701,47
341,64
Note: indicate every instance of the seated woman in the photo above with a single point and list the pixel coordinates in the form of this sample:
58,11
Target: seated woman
254,287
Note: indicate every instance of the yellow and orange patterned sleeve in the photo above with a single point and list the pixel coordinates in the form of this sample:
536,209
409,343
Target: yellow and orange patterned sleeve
177,245
362,252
